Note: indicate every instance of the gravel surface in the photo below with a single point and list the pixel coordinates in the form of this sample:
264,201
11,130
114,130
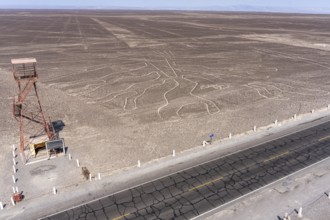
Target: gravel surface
135,85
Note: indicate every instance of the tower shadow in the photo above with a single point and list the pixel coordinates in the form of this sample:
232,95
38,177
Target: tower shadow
58,126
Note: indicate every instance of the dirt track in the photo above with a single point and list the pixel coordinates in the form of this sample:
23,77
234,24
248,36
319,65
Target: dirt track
134,85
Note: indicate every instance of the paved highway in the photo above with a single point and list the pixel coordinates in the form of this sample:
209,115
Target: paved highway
191,192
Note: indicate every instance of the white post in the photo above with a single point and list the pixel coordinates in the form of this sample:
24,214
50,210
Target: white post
14,148
12,200
99,176
300,213
295,116
1,206
139,163
229,135
16,189
78,164
14,179
173,153
312,111
54,190
255,128
14,161
70,158
286,216
90,177
275,122
14,168
328,106
329,195
14,155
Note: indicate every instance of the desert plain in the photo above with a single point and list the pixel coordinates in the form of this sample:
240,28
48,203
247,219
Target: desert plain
134,85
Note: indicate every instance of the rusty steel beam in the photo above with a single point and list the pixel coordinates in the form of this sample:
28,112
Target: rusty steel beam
27,108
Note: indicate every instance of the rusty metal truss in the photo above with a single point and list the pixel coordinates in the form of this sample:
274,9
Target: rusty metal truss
27,107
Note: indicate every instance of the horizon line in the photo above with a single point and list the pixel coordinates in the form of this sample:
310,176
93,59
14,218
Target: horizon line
234,8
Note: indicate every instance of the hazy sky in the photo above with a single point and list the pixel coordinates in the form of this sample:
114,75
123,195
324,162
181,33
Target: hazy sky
167,3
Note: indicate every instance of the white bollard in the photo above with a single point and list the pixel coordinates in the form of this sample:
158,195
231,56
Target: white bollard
14,168
329,106
295,116
1,206
173,154
14,161
14,179
90,177
139,163
300,213
254,128
78,164
99,176
16,189
14,148
329,195
70,158
286,215
12,200
229,135
312,111
275,122
54,190
14,155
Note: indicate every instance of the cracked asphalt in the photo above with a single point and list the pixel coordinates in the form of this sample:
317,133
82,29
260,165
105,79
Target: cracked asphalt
191,192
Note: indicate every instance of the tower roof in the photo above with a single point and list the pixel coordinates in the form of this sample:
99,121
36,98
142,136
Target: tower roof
23,60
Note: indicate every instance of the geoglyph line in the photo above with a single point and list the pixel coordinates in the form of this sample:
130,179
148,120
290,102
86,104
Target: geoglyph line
63,30
257,89
166,100
145,90
178,111
199,97
81,35
285,55
126,100
273,85
176,75
159,69
115,96
107,95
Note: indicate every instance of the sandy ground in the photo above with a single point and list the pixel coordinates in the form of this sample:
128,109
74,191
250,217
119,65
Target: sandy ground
135,85
36,180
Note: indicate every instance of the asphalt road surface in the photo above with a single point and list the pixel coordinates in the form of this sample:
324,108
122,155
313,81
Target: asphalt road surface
191,192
